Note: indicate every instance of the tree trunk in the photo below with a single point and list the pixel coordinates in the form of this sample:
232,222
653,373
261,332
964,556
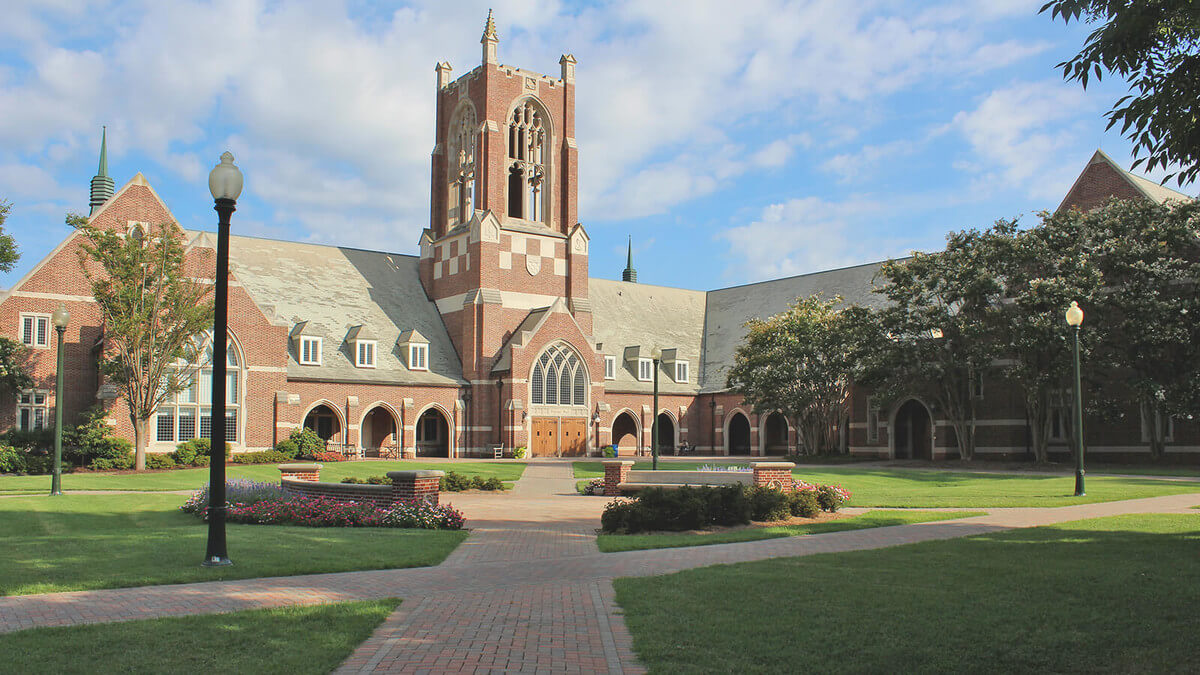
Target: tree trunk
1039,429
1158,431
141,438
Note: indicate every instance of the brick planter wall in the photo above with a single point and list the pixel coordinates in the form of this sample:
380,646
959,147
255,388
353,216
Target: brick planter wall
305,472
773,474
615,472
411,486
380,495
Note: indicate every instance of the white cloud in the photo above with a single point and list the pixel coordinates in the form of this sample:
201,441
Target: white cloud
851,166
1020,134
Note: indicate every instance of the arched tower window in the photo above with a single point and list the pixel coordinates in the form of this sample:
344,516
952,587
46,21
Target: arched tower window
527,177
559,378
185,415
460,162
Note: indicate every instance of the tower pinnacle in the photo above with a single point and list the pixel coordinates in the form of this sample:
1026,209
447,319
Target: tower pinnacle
629,274
489,40
102,186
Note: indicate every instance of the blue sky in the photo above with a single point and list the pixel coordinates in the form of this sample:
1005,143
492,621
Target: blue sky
734,141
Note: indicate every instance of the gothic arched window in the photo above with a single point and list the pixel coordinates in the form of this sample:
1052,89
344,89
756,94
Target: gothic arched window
527,178
559,378
460,163
185,415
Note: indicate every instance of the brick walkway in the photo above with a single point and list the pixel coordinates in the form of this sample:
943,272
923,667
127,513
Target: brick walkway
528,591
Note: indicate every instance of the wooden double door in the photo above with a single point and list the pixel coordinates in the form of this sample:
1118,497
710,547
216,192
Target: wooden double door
558,437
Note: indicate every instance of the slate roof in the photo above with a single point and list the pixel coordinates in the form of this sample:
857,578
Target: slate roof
727,309
628,314
336,289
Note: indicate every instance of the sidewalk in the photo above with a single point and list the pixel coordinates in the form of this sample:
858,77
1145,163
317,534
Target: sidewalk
527,592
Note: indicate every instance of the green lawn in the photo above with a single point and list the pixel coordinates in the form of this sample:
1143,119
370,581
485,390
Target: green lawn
902,488
310,639
1106,595
81,542
192,479
610,543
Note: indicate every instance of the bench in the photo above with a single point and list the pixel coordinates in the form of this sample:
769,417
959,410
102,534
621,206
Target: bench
620,478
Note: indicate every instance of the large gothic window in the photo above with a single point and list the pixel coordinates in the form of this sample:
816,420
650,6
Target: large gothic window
185,415
460,162
559,378
527,184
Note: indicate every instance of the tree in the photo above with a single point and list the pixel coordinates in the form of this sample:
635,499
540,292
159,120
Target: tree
932,338
1154,47
9,255
151,309
800,362
14,369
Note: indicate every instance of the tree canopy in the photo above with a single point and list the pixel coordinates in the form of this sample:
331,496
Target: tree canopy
9,255
1155,47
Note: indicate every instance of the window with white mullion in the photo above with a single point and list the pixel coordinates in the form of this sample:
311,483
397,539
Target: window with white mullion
610,367
645,370
35,330
365,353
310,350
681,371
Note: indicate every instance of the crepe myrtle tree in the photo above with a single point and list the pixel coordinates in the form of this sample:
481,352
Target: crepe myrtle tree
14,356
1155,47
152,309
801,362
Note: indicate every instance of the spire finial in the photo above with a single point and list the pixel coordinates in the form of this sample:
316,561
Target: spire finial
629,274
102,186
489,29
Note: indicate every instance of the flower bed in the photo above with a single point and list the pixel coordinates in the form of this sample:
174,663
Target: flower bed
266,504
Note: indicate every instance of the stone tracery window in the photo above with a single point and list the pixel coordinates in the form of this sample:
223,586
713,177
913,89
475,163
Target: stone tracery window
559,378
185,415
461,165
527,176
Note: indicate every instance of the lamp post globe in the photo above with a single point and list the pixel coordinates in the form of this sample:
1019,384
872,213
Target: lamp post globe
60,318
1074,316
225,184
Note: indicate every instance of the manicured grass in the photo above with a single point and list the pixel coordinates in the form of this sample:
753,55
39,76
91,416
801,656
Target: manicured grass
81,542
193,479
610,543
931,488
1106,595
310,639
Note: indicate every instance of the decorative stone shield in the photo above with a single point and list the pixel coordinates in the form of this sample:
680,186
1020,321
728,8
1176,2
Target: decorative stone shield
533,264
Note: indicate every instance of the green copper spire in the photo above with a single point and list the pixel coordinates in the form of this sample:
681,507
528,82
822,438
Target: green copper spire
103,170
102,186
629,274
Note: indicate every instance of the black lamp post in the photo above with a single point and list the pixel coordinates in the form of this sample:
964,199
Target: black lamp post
656,355
59,318
1075,319
225,183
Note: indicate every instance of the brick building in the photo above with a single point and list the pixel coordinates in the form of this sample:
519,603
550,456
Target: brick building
495,333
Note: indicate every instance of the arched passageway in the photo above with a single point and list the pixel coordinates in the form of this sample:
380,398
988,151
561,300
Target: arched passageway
739,434
666,434
775,434
325,422
625,434
433,434
378,432
913,431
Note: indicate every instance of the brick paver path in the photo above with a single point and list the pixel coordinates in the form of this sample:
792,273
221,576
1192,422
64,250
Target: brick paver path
528,591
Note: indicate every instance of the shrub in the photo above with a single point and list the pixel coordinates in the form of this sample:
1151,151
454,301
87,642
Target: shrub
519,452
329,457
260,457
196,452
11,459
369,480
92,439
493,483
308,443
39,462
29,439
236,492
112,463
155,460
767,504
832,497
454,481
610,451
288,447
803,504
685,508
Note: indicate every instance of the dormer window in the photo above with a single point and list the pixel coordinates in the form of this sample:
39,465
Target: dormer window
310,350
610,367
645,370
681,372
418,357
365,354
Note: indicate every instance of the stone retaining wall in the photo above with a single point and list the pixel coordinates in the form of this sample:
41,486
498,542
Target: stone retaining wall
407,486
617,473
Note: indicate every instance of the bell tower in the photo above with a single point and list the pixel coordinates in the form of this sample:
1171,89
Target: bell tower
503,238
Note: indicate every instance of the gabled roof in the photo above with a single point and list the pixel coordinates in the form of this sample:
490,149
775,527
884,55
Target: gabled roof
1141,185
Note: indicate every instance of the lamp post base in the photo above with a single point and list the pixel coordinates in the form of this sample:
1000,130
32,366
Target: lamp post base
216,561
1079,492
